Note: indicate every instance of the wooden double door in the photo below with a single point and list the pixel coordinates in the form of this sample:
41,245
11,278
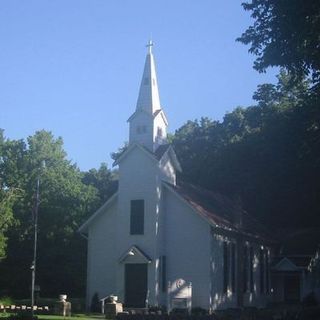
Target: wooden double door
136,285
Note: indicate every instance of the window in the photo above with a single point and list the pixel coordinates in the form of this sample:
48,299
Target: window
141,129
159,132
163,273
233,267
267,272
251,269
248,265
245,268
137,217
229,266
262,270
225,267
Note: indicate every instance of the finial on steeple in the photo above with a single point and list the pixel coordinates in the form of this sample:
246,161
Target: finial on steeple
149,46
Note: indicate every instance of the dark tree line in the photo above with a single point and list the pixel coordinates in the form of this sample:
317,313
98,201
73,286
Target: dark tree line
268,154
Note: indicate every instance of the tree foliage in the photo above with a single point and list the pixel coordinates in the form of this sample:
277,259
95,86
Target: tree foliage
103,179
285,33
267,154
67,198
7,197
6,217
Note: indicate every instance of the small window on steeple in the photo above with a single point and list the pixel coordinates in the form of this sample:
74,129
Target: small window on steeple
141,129
159,132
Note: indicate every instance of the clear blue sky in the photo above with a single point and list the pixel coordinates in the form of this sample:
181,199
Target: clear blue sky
74,66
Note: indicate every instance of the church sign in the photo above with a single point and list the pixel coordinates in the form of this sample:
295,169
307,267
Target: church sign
179,295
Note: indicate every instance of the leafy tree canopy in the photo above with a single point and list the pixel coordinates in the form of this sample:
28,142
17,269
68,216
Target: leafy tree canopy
67,197
103,180
7,198
267,154
285,33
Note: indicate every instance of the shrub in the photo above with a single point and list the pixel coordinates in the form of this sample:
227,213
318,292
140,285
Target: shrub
6,301
95,304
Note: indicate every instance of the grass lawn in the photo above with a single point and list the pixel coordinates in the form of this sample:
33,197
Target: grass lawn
75,317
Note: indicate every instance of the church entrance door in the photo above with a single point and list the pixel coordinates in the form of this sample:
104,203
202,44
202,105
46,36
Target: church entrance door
136,285
292,288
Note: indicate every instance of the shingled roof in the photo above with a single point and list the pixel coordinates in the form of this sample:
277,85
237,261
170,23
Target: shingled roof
220,211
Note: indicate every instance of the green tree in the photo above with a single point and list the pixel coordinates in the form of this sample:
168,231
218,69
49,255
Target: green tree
7,198
103,179
267,154
285,33
65,203
115,155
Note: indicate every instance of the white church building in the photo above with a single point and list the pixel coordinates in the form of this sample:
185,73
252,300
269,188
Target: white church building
158,242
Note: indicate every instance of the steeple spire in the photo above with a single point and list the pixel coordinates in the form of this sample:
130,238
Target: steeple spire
148,99
148,124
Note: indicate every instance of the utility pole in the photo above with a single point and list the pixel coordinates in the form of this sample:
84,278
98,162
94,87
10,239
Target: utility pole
35,243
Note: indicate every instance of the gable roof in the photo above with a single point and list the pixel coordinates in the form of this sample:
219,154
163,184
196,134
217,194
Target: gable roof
220,212
164,118
285,264
291,263
129,149
135,251
168,149
137,112
155,156
299,246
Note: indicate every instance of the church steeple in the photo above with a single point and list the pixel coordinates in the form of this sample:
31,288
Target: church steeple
148,99
148,124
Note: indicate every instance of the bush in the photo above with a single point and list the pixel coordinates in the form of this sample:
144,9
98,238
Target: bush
6,301
95,304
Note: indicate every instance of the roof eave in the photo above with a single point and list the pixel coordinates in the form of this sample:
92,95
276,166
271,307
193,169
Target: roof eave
131,147
164,118
216,226
137,112
174,159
